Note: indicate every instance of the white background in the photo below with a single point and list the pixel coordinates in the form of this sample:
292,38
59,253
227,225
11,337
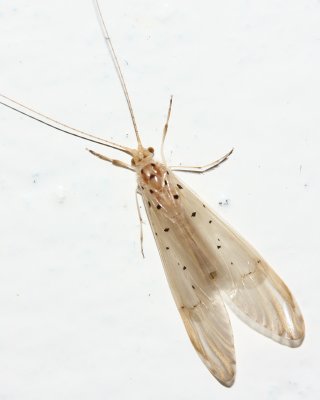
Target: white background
82,315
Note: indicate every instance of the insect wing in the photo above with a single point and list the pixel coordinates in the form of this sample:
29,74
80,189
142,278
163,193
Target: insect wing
249,285
197,298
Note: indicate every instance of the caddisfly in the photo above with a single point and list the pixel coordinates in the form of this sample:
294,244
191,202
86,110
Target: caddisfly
206,262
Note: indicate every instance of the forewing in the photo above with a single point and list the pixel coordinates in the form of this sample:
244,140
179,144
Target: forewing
255,292
197,298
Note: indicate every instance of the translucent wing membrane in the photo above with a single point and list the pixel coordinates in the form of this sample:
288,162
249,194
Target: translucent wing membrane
198,300
253,290
205,260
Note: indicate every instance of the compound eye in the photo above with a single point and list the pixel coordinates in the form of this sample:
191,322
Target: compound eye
151,150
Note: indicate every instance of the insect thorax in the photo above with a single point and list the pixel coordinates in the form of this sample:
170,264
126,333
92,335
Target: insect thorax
159,189
153,176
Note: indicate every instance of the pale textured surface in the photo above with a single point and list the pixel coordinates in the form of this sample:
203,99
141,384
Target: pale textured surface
81,314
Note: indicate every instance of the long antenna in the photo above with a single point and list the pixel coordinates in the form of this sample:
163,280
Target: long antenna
117,67
44,119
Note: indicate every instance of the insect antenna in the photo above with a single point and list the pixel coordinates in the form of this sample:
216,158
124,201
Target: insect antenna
117,68
44,119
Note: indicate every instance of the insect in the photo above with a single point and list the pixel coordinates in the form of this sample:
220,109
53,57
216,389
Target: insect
206,262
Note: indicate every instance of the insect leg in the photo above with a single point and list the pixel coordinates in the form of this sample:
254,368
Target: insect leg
165,129
117,163
204,168
141,222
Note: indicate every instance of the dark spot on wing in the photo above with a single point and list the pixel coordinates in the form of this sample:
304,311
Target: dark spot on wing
176,196
152,176
167,248
193,287
203,205
166,229
149,204
193,214
158,206
153,164
231,263
218,247
259,261
151,191
210,222
142,171
247,274
165,182
179,186
184,268
213,274
168,173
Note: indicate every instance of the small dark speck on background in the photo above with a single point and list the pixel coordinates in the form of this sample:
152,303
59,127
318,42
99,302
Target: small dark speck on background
224,203
35,178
